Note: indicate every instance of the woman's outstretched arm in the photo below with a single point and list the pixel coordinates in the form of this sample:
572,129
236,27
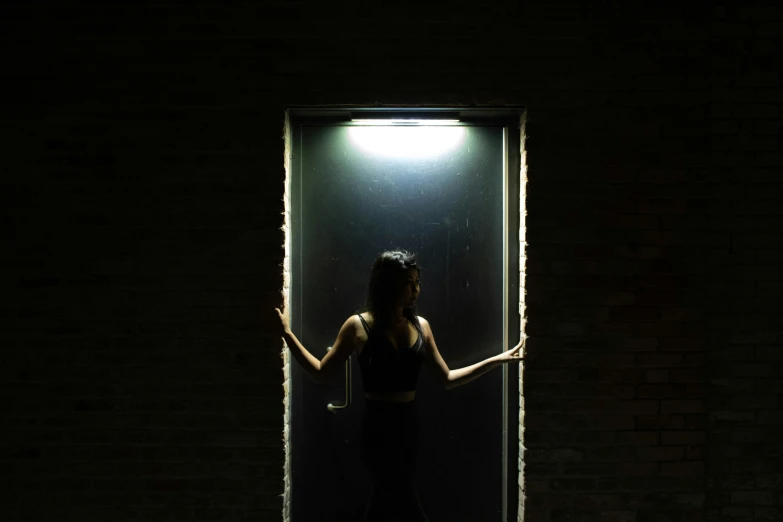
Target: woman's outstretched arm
319,370
452,378
466,374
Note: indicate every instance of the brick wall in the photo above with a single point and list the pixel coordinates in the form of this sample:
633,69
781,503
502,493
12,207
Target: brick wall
521,508
745,356
144,192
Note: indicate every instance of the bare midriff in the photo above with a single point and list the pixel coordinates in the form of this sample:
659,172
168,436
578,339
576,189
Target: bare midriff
404,396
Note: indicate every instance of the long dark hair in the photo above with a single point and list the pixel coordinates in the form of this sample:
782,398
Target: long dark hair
388,276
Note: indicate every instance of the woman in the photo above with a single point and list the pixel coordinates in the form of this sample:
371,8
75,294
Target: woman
391,343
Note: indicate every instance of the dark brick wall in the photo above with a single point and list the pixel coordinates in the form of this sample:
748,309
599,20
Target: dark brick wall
745,352
143,188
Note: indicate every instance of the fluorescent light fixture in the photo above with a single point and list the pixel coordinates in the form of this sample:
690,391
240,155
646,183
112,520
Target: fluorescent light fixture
377,121
409,117
406,141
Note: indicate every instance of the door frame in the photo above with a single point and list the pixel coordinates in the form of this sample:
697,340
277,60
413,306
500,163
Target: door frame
512,120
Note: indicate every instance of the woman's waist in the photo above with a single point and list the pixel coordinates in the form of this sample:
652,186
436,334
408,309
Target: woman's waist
391,396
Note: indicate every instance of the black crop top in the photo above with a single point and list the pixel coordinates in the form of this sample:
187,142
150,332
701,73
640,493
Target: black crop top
385,369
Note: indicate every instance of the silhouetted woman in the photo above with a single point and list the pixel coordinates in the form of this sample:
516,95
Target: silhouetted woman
391,342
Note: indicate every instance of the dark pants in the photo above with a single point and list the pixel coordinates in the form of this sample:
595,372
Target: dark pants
389,450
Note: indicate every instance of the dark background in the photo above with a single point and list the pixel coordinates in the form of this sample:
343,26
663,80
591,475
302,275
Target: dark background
142,193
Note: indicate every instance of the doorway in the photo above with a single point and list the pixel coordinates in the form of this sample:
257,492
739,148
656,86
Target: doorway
444,184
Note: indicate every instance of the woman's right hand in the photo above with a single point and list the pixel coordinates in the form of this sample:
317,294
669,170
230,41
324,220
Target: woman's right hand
283,324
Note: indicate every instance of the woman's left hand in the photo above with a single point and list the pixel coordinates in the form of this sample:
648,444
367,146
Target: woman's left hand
517,353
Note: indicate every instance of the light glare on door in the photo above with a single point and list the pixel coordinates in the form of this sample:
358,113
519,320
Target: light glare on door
409,141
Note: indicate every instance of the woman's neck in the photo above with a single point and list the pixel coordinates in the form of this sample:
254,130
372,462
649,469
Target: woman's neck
398,318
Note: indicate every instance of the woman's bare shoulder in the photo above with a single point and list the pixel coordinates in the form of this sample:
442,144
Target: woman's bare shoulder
358,323
424,323
351,326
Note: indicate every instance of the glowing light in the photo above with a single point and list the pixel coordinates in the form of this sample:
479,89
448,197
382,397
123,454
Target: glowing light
404,122
407,141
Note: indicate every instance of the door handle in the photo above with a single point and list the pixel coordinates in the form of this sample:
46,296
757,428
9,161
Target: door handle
348,388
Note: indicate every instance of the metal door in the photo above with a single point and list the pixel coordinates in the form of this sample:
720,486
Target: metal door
440,191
